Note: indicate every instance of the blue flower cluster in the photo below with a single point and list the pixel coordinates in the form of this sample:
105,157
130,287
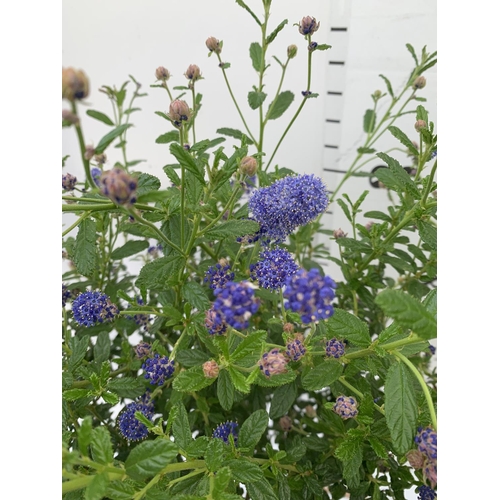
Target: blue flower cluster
310,294
222,431
129,426
218,276
288,203
335,348
157,369
426,493
90,308
96,175
273,268
235,304
426,440
295,350
346,407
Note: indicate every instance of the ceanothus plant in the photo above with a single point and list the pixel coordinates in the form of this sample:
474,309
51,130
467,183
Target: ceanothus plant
233,365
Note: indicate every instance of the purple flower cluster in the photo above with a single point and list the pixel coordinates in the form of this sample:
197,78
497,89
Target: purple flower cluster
68,182
222,431
94,307
426,493
426,440
235,304
215,322
129,426
273,268
346,407
295,350
273,363
335,348
96,175
218,276
310,294
66,294
142,350
119,186
287,204
158,369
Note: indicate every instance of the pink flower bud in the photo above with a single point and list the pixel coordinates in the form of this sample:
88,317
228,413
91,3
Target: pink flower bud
248,166
70,117
162,73
179,111
288,328
213,45
89,152
308,26
416,459
211,369
420,125
286,423
119,186
310,411
193,73
75,84
419,82
272,363
338,233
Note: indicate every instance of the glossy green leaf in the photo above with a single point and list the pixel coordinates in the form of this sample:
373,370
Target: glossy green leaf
181,428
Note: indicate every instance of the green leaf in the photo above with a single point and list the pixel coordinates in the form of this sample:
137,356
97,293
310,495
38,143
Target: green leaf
408,312
130,248
252,429
84,252
401,408
354,245
225,390
323,46
378,447
188,162
120,490
181,428
191,380
412,52
74,394
110,137
399,264
221,480
100,116
239,380
261,490
214,456
275,32
102,347
275,380
256,55
237,134
198,447
149,458
250,345
376,214
400,175
147,183
191,357
110,398
389,86
195,295
280,105
155,275
255,99
78,346
172,136
322,375
364,150
403,139
127,387
241,3
100,445
430,302
283,398
369,121
84,433
97,487
245,471
345,325
428,233
232,229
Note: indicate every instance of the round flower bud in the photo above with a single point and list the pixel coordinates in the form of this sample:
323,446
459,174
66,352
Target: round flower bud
295,350
286,423
419,82
310,411
346,407
162,73
213,45
193,73
89,152
248,166
179,111
420,125
119,186
426,440
75,84
377,94
68,182
272,363
70,117
416,459
288,328
308,26
338,233
430,472
211,369
142,350
292,51
335,348
100,159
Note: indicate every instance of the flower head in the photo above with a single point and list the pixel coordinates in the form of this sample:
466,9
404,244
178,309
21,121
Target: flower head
235,303
291,51
335,348
142,349
162,73
90,308
273,268
193,73
215,322
158,369
286,423
295,350
430,472
68,182
96,175
217,276
178,112
211,369
129,426
248,166
426,440
419,82
213,45
308,26
426,493
222,431
416,459
70,117
75,84
346,407
310,294
119,186
273,363
288,203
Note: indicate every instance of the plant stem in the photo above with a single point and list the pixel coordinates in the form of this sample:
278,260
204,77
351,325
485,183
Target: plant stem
76,223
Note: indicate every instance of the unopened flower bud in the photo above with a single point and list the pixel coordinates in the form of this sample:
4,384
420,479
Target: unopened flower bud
142,350
89,152
420,125
213,45
272,363
179,111
291,51
419,82
75,84
312,46
310,411
430,472
369,225
211,369
346,407
288,328
338,233
162,73
377,94
68,182
248,166
100,159
308,26
335,348
416,459
70,117
119,186
295,350
286,423
193,73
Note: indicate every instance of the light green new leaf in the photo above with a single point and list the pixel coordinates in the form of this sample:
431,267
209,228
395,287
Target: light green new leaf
188,162
255,99
250,345
239,380
97,487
